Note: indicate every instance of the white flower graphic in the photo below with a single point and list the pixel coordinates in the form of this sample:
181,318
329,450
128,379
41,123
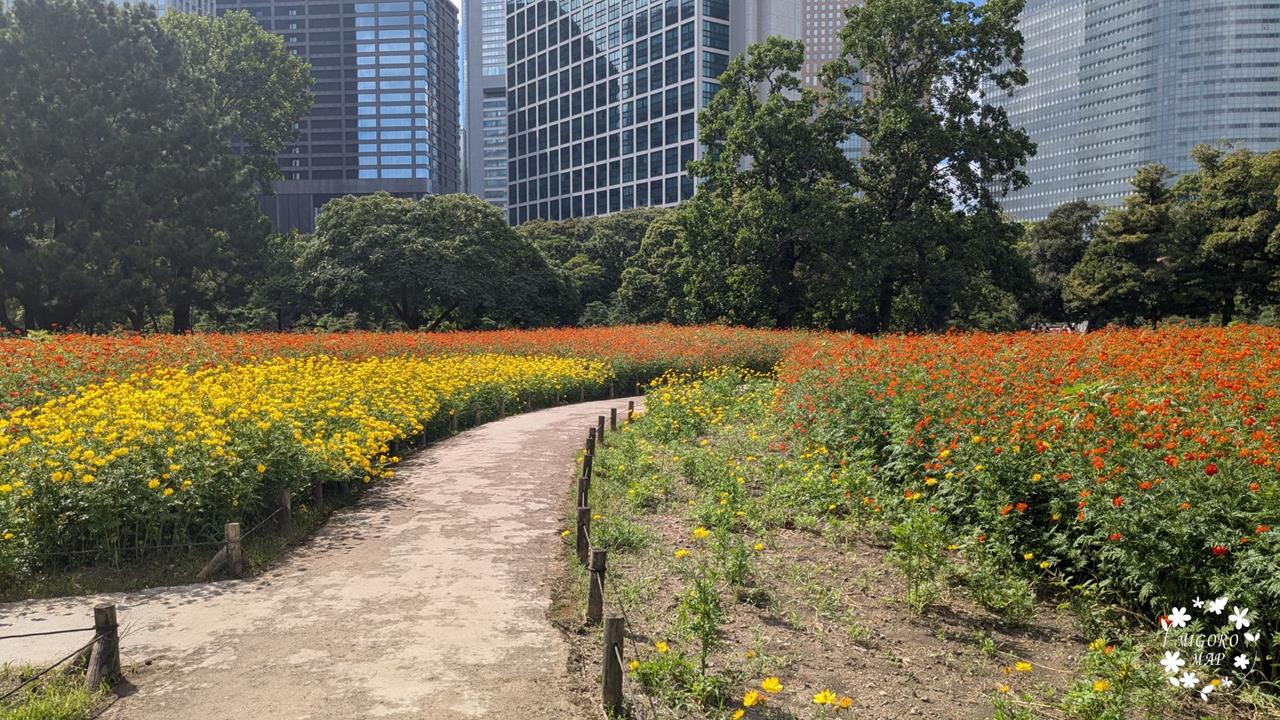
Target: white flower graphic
1251,637
1204,692
1175,681
1172,662
1178,617
1197,603
1225,683
1189,680
1217,606
1242,661
1239,617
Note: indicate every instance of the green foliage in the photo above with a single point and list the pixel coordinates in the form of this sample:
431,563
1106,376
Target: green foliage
701,613
1118,684
122,194
58,696
918,541
998,589
1053,247
440,259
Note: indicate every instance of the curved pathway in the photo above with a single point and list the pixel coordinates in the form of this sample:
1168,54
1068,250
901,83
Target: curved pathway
426,599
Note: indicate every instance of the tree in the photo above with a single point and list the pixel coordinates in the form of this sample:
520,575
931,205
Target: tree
772,178
130,153
1134,267
1053,247
933,140
1233,204
440,259
653,282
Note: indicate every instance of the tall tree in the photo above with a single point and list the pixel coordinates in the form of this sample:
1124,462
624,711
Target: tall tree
1053,247
772,177
443,259
933,139
1234,204
1135,266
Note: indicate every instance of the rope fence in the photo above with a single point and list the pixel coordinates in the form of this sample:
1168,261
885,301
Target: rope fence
596,560
101,655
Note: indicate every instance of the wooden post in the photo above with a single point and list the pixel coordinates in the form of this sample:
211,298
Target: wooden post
235,552
317,496
453,421
502,407
584,491
557,396
591,441
584,527
611,668
595,593
613,419
286,512
600,431
104,659
477,421
582,393
610,389
631,410
588,464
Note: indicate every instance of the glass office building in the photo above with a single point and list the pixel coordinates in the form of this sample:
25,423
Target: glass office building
484,99
386,101
603,96
1117,84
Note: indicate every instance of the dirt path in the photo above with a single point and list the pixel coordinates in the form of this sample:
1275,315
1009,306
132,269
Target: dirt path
426,600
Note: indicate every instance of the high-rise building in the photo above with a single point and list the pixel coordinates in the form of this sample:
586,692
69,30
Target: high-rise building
199,7
603,96
822,21
386,101
484,99
1117,84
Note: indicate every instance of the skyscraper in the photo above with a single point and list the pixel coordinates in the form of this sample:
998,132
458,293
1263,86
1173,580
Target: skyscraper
386,101
603,96
484,99
822,21
1118,84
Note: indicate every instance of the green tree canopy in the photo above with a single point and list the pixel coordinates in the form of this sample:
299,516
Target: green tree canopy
1053,247
442,259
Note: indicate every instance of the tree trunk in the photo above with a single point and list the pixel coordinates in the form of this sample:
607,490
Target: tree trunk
884,304
4,317
435,323
1228,310
182,315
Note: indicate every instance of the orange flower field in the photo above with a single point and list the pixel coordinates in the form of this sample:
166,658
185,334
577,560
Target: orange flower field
1145,461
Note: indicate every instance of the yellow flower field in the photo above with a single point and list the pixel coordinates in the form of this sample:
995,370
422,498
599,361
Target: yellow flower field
172,455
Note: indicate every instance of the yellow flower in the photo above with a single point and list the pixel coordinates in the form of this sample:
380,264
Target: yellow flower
564,534
1097,645
261,468
1101,686
1028,556
1022,666
87,479
1002,688
845,702
826,697
661,647
152,484
737,714
750,698
701,532
634,665
771,685
8,536
758,547
1044,564
6,488
168,492
681,552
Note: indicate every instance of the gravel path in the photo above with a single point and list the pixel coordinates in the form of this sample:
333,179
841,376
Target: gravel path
427,599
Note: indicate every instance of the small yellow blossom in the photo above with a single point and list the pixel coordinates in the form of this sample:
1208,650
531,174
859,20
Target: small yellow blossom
1022,666
826,697
750,698
1101,686
701,532
771,685
661,647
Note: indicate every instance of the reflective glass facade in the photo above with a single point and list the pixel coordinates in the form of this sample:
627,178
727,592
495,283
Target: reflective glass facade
484,99
1117,84
603,96
386,101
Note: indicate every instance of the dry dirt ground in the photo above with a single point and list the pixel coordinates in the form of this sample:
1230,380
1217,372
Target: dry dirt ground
426,599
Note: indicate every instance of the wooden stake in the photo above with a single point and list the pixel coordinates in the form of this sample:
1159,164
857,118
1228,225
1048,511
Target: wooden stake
286,512
631,410
584,527
595,593
502,407
611,667
582,393
317,496
613,419
235,551
588,464
584,491
610,389
600,431
453,422
104,659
